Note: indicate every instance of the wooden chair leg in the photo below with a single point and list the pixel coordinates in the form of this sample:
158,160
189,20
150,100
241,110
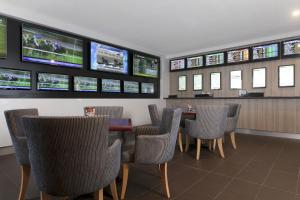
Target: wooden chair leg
98,195
214,145
187,142
220,146
44,196
125,180
198,149
180,141
113,189
210,145
164,179
25,175
232,137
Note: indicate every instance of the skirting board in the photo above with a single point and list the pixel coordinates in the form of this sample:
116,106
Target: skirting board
6,150
268,133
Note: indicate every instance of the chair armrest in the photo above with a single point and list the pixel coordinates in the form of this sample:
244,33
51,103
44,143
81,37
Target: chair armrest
113,162
151,149
146,130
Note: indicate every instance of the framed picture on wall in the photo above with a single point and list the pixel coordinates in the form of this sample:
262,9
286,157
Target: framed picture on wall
198,82
182,83
286,76
259,77
215,80
236,79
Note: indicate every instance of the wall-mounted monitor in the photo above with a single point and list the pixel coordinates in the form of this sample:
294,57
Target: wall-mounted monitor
108,58
291,47
177,64
194,62
265,51
147,88
111,85
198,81
55,82
47,47
214,59
215,80
85,84
182,82
15,79
3,37
145,66
237,56
259,77
131,87
286,76
236,79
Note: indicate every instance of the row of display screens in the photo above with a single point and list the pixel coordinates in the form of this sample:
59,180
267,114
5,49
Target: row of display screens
20,79
261,52
42,46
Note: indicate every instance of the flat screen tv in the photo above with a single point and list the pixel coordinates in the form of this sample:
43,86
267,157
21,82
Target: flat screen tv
265,51
3,37
15,79
193,62
237,56
291,47
108,58
214,59
177,64
85,84
55,82
131,87
145,66
148,88
111,85
42,46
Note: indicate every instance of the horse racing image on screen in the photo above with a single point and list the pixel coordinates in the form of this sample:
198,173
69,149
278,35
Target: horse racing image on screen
291,47
47,47
53,82
147,88
85,84
15,79
3,37
145,66
111,85
108,58
131,87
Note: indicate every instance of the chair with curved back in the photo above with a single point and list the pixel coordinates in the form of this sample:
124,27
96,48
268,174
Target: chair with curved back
210,124
153,111
153,148
70,156
232,120
19,140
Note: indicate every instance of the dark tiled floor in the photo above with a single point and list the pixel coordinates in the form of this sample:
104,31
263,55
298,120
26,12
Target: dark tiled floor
262,168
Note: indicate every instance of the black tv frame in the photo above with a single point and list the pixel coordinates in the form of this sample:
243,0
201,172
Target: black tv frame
5,68
282,50
195,56
176,70
147,55
240,62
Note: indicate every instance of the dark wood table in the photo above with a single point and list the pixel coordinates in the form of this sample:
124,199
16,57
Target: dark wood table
122,124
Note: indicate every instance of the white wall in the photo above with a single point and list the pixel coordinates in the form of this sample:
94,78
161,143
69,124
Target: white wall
133,108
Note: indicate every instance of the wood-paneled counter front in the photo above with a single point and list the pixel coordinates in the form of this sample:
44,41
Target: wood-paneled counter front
274,114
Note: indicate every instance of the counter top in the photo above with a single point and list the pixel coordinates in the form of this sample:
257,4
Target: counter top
269,97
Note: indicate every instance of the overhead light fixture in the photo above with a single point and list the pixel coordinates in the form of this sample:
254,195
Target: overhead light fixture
296,13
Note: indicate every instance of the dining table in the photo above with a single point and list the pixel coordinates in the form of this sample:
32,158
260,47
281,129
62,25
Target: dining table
120,124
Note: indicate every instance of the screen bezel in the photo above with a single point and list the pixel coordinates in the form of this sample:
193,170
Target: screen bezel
13,69
37,81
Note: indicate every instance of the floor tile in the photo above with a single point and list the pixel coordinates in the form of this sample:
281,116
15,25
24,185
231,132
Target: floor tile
282,181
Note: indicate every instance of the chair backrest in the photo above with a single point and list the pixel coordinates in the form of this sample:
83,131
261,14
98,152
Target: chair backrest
110,111
67,154
154,114
211,120
233,109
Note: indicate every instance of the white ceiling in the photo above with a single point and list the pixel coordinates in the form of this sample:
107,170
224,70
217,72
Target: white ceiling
173,27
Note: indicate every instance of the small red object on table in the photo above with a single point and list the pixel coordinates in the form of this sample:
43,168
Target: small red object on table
122,124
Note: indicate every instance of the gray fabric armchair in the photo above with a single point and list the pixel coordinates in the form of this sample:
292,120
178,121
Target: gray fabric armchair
232,120
19,140
70,155
210,124
154,148
154,115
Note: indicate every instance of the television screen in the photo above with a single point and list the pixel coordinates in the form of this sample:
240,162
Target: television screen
147,88
15,79
145,66
53,82
265,51
3,37
47,47
177,64
237,56
291,47
214,59
195,62
108,58
111,85
131,87
85,84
